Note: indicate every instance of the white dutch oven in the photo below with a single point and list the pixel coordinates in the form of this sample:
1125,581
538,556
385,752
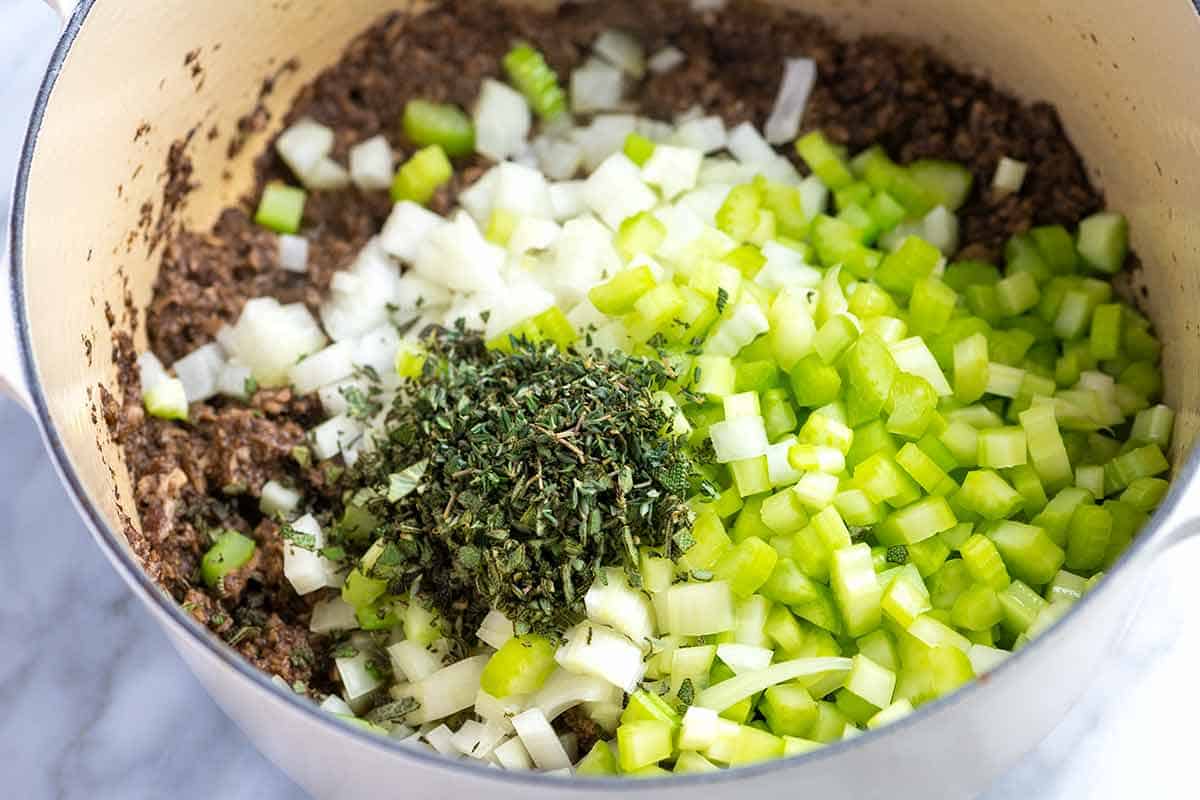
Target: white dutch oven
1124,75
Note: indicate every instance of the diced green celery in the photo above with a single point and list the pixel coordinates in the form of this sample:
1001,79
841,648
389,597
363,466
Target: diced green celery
834,337
920,467
1127,520
783,513
520,666
751,476
983,561
644,705
957,536
931,306
1139,344
830,724
886,211
360,590
714,376
1017,293
1056,247
985,493
977,608
912,406
910,262
643,743
821,429
779,418
855,588
1090,478
788,709
689,763
167,399
857,509
905,598
537,80
746,566
788,585
1029,553
870,370
856,193
710,543
962,274
640,234
868,300
1153,426
421,176
1047,452
1021,606
1002,447
786,203
792,328
638,148
441,124
928,555
599,762
948,183
1144,378
815,382
500,227
1056,516
945,585
1103,241
1145,494
1105,337
1088,537
749,521
1066,586
884,482
824,160
230,552
914,523
739,215
754,745
281,207
1143,462
838,242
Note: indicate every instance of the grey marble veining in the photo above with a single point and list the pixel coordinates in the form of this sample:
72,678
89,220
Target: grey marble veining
95,703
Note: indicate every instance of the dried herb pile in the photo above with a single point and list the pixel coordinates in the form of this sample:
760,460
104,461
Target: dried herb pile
507,479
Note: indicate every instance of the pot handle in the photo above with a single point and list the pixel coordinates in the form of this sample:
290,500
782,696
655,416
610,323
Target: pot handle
12,383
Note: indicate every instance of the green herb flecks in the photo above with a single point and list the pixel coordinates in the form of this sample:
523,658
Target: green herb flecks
506,480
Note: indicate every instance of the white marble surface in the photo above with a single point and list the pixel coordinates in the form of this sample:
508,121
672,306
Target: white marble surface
97,705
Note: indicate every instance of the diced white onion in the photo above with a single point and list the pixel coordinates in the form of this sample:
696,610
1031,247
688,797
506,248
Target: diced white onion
456,255
564,690
741,328
558,159
540,740
814,196
441,739
270,338
304,568
517,304
334,614
940,229
913,356
533,235
334,436
326,175
598,650
406,228
336,705
377,351
622,50
476,199
278,499
596,86
447,691
566,199
666,60
512,755
674,170
785,267
615,191
502,121
334,396
744,657
984,659
232,379
604,136
655,130
323,367
495,630
413,660
1010,175
497,711
415,295
726,693
799,77
739,438
699,728
198,371
779,467
583,255
304,144
749,147
358,678
150,371
293,253
706,134
372,166
522,191
612,601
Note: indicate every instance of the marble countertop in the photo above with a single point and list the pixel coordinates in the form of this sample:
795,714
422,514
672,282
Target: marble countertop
97,704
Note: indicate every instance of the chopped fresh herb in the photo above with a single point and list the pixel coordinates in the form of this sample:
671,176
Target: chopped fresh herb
722,300
395,711
358,404
345,651
513,477
687,692
305,541
302,456
897,554
250,386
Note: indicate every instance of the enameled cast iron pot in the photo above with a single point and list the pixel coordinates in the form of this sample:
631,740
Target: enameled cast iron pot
1124,75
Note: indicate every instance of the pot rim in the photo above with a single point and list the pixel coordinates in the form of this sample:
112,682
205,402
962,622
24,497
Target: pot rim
1154,533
